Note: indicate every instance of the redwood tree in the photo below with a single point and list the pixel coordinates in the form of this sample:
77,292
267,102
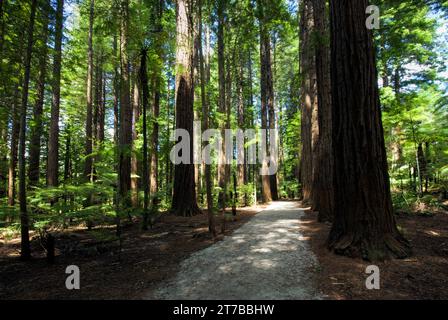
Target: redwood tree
125,138
25,252
37,128
184,194
53,142
89,119
364,224
264,74
322,187
309,129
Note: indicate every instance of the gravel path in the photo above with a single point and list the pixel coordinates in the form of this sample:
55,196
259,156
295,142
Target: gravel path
263,259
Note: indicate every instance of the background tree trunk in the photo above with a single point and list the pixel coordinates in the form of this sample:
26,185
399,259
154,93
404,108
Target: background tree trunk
134,161
364,224
37,128
264,74
53,142
125,109
222,102
89,119
205,125
15,132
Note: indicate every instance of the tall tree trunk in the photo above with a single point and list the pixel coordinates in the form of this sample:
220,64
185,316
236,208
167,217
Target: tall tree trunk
364,224
37,128
184,194
222,102
265,95
53,142
322,195
154,169
205,125
88,166
25,252
125,109
309,129
145,175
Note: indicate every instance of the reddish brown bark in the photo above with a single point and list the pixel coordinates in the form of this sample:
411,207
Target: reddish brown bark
322,194
364,224
184,193
308,99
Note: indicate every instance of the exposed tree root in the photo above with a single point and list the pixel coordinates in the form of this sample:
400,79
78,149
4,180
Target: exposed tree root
384,247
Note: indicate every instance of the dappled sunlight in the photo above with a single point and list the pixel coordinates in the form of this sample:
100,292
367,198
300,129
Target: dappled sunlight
268,244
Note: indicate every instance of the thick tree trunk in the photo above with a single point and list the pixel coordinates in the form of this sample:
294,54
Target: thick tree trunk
308,99
125,109
53,142
322,194
37,128
364,224
25,252
184,193
88,166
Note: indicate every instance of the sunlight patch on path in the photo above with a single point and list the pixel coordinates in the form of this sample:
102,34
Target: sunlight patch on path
266,258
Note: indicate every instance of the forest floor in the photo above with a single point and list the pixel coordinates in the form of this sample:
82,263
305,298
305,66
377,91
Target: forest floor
282,248
422,276
146,258
265,259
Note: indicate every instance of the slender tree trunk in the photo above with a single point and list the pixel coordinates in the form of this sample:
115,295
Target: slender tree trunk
53,142
116,89
100,131
145,175
241,172
308,102
88,166
154,169
265,96
205,125
135,133
25,253
421,166
364,224
125,109
184,195
37,128
222,102
322,195
68,157
15,132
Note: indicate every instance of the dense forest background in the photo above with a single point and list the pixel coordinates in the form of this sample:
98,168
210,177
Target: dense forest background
92,90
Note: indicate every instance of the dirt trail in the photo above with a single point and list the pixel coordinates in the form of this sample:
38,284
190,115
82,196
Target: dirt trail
267,258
